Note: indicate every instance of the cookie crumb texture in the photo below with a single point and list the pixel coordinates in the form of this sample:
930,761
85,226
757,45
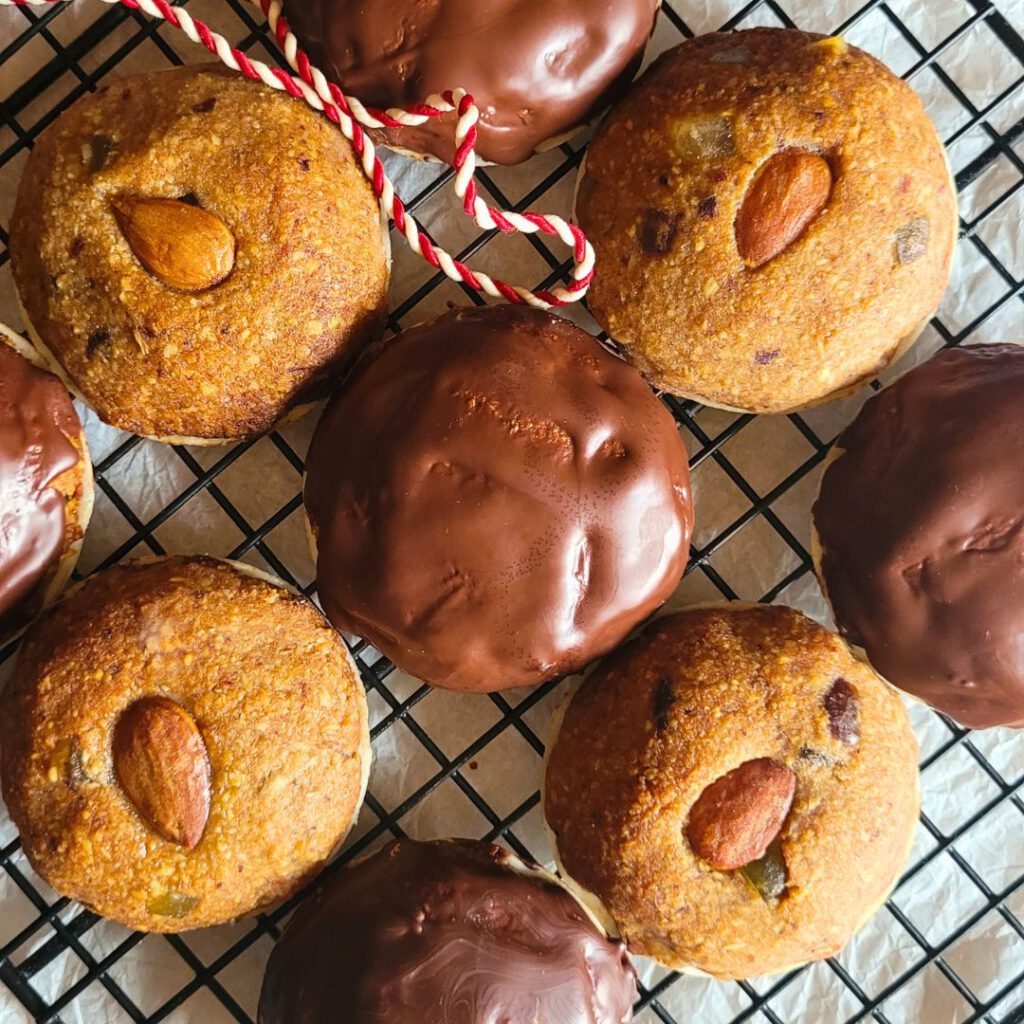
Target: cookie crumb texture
182,744
691,739
198,252
720,237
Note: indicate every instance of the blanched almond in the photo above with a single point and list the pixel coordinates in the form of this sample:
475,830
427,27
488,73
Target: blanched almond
788,192
163,766
182,245
736,818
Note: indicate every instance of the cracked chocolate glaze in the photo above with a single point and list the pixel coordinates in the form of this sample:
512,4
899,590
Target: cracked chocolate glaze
920,525
444,933
496,500
36,420
536,68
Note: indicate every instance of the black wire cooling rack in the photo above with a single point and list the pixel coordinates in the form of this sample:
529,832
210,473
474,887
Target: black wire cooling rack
948,948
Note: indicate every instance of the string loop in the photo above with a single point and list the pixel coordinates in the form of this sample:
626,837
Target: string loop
352,117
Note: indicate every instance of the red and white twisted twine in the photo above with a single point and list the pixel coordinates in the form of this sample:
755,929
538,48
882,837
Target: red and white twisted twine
310,84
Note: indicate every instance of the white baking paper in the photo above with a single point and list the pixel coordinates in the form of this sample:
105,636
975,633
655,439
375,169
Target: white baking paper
213,976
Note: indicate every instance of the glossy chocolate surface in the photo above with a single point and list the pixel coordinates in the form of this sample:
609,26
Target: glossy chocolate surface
36,419
444,933
496,499
920,522
535,67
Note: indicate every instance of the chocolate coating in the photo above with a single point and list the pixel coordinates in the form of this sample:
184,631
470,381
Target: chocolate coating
536,68
444,933
920,525
496,500
36,420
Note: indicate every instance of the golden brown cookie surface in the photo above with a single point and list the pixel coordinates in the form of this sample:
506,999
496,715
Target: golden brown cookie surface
773,219
197,252
183,743
690,746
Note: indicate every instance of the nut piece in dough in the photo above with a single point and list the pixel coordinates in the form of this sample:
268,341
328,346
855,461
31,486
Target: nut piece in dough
787,193
738,815
163,766
183,245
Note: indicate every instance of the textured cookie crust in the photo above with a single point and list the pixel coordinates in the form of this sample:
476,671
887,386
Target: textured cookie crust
665,180
310,274
278,705
75,485
698,694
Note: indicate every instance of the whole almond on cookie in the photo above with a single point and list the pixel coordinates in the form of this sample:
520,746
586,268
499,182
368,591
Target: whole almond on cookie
182,245
163,766
789,190
735,819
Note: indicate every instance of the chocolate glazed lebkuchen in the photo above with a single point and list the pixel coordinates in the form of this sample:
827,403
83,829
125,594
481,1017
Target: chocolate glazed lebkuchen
537,68
450,932
920,545
46,489
496,500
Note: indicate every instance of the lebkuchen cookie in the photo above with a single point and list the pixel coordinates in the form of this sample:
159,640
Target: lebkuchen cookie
183,742
735,789
773,218
448,932
46,486
537,69
918,539
197,255
495,500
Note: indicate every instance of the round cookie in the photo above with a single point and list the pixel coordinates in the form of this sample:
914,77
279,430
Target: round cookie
736,788
196,254
455,931
773,217
183,743
46,485
919,546
537,69
525,510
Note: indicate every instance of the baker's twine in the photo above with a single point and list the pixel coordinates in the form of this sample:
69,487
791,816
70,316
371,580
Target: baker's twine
351,116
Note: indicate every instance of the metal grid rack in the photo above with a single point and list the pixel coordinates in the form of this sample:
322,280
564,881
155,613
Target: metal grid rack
59,963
